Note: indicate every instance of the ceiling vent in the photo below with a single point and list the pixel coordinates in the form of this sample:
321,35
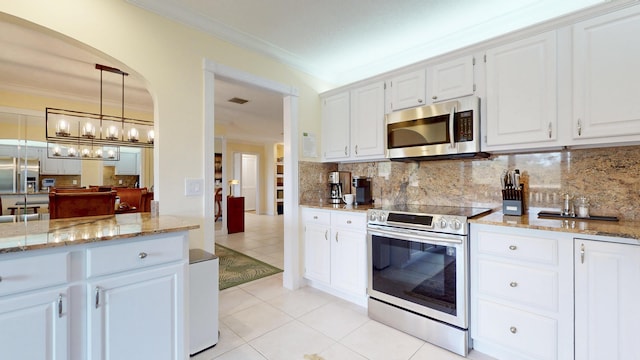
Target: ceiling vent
238,100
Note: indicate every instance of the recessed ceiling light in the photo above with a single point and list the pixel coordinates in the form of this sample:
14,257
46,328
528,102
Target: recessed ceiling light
238,100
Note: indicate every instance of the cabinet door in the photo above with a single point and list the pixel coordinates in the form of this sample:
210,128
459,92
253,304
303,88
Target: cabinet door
348,261
367,122
450,80
335,127
606,80
137,316
72,167
8,151
521,94
35,326
407,90
606,300
317,252
50,166
128,164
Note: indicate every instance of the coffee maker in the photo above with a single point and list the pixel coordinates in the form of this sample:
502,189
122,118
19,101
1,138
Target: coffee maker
362,186
339,184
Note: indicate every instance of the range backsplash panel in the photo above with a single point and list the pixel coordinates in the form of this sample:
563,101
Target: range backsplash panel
609,177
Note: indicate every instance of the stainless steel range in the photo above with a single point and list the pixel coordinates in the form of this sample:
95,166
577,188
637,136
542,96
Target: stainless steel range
418,264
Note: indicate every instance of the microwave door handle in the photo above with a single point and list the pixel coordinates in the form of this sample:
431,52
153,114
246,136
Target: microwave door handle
452,117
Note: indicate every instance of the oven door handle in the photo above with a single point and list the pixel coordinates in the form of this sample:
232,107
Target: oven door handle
419,238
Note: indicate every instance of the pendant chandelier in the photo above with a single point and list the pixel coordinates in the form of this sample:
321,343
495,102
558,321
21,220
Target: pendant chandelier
88,136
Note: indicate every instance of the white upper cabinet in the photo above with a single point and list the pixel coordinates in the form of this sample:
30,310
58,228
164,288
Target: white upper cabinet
335,127
606,78
353,124
367,122
450,80
521,94
407,90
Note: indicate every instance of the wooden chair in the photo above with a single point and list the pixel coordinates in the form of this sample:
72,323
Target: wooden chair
218,204
132,198
77,204
146,201
74,190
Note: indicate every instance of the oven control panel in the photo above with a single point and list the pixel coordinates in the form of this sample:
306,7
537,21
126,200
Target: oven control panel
452,224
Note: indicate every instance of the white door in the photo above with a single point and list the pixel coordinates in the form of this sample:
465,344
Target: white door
367,121
135,316
606,300
521,94
35,326
249,181
606,77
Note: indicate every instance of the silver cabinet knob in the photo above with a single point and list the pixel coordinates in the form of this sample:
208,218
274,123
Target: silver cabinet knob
512,247
420,101
142,255
513,329
513,284
434,97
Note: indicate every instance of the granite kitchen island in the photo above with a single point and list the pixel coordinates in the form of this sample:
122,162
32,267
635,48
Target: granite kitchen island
95,287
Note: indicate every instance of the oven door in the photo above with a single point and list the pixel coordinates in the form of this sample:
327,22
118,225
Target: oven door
425,273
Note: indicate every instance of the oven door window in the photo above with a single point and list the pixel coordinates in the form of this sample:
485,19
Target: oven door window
428,131
417,272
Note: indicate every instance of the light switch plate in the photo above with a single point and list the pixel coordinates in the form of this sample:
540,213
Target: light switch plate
193,187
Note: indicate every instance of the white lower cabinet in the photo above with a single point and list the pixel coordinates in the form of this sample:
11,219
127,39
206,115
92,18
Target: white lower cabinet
117,300
133,316
606,300
35,326
521,293
34,306
335,252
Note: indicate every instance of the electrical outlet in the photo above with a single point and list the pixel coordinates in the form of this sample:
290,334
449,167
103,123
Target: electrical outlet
120,182
75,182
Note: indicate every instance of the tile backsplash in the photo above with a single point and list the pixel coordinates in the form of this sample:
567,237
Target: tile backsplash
609,177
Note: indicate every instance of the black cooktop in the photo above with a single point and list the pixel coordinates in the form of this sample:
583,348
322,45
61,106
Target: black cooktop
468,212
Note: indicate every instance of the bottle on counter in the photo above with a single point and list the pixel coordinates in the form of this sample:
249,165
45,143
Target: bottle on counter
117,206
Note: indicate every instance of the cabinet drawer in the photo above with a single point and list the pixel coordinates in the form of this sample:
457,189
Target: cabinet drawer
109,259
522,248
316,217
534,287
524,333
351,220
33,272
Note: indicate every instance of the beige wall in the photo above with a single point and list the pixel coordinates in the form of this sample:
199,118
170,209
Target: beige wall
169,56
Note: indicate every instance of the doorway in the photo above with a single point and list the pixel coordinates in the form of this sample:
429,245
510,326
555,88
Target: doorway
292,277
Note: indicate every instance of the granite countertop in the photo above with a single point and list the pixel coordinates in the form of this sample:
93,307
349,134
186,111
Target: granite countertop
41,234
341,206
619,229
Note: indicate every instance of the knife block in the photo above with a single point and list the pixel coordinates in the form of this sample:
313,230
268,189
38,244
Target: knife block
513,201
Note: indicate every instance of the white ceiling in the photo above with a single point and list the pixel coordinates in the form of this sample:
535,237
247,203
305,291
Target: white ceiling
339,41
342,41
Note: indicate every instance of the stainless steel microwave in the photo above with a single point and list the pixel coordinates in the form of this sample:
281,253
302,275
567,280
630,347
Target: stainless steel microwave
443,130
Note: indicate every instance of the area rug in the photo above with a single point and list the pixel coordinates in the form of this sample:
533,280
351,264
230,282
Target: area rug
236,268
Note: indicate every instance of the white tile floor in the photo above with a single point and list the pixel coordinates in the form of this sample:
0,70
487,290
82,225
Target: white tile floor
262,320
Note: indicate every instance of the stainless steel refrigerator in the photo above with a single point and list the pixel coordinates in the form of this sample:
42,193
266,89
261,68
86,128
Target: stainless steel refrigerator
18,175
